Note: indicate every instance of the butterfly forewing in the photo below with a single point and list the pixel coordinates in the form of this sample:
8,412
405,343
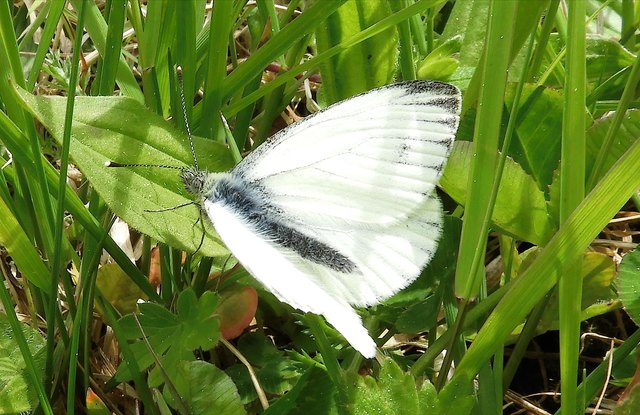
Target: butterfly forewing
369,159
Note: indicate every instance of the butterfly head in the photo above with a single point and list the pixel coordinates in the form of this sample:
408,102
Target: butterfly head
194,180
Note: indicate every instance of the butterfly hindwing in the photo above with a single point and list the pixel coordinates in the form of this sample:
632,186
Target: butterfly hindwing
298,282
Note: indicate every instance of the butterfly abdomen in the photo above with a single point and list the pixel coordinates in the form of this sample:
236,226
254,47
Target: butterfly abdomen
249,203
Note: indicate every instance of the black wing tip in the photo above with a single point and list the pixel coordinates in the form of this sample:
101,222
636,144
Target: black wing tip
421,86
433,87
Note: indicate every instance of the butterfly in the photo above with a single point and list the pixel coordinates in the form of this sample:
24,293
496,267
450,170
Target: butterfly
339,210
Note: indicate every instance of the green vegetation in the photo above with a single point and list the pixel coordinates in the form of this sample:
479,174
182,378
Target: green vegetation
105,307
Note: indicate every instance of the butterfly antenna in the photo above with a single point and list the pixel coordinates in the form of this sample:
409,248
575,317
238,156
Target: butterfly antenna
111,163
184,116
193,150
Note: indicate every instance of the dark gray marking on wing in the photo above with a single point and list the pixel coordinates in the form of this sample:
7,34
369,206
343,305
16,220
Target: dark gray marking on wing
248,202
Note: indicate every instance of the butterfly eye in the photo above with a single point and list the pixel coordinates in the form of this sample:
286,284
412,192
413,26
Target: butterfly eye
193,180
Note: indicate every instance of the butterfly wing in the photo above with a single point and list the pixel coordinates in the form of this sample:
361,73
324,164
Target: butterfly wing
339,208
288,276
370,159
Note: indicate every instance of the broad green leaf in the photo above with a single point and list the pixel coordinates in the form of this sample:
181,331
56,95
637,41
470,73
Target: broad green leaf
122,130
173,337
627,134
278,375
393,393
19,246
520,209
440,64
205,389
257,349
536,146
396,392
17,394
201,325
312,394
456,398
364,66
428,399
605,57
276,372
468,19
413,318
240,377
629,284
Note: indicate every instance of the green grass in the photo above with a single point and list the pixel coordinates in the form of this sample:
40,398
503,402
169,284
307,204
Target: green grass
547,153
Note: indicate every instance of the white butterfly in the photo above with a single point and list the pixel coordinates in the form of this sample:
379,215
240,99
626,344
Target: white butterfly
339,209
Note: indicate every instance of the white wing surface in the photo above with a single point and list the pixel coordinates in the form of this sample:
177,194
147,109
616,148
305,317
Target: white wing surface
289,277
339,209
370,159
